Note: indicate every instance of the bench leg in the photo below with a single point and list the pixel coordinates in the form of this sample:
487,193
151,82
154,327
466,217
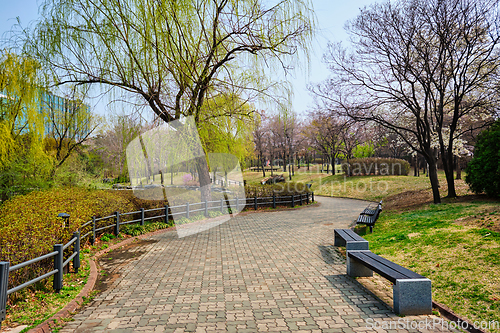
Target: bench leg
338,241
371,229
357,269
412,297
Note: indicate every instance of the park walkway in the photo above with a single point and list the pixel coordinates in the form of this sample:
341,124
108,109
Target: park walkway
271,271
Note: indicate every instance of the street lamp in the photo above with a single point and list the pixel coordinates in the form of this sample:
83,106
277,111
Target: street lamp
65,217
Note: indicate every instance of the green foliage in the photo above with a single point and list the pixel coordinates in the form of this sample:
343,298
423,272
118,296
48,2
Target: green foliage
226,127
30,227
483,172
137,229
364,150
24,165
376,165
107,237
212,213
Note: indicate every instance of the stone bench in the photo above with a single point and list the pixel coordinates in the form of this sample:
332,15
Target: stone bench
411,291
349,239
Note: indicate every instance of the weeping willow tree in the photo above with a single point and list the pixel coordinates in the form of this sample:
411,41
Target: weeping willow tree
226,126
23,161
173,55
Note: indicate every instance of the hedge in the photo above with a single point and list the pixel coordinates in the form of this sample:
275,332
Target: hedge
376,166
29,226
280,189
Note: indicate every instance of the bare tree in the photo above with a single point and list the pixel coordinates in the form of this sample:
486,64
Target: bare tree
69,121
259,139
326,131
111,143
418,68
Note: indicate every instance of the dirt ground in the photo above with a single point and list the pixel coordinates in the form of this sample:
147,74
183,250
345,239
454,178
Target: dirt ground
487,216
111,262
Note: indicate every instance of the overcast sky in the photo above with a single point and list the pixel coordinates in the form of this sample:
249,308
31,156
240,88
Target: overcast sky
331,17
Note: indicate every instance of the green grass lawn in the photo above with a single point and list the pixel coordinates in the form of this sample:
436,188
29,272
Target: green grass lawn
446,244
372,188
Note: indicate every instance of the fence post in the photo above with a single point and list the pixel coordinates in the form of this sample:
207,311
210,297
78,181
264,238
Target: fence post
142,216
58,265
274,200
206,208
307,198
293,200
166,214
76,249
255,202
117,225
300,199
221,206
187,210
93,230
4,286
312,196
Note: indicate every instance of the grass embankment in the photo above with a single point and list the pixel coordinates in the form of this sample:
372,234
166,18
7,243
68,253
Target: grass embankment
455,245
32,306
371,188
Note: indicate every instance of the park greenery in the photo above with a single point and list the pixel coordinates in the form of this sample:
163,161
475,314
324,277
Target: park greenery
483,172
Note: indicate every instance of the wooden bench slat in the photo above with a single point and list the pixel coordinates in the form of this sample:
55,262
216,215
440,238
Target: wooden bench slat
384,267
348,235
403,270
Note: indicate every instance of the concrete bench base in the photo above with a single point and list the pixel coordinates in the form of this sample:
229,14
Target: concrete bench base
412,296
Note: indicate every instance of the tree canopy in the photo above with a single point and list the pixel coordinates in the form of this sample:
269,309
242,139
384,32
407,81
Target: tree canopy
170,54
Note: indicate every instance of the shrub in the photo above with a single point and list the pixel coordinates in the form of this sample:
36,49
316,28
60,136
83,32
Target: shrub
280,189
29,226
376,166
483,171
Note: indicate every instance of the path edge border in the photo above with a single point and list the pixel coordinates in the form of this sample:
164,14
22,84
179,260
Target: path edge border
70,308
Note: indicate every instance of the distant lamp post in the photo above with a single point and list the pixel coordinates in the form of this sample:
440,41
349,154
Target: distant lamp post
65,217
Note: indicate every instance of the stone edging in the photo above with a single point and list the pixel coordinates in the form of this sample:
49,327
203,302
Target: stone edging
67,311
72,306
453,317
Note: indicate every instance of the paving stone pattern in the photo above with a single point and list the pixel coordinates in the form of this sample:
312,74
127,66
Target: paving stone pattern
261,272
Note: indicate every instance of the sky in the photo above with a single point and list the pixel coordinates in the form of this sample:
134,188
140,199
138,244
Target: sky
331,18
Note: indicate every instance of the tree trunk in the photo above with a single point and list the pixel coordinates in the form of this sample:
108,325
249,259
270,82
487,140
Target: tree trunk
418,166
308,159
204,174
272,164
459,167
449,172
262,164
415,166
333,164
432,171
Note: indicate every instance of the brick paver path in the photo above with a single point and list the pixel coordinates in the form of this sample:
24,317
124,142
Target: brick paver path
271,271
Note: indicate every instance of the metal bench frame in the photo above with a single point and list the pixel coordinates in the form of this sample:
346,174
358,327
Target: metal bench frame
369,220
411,291
371,211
